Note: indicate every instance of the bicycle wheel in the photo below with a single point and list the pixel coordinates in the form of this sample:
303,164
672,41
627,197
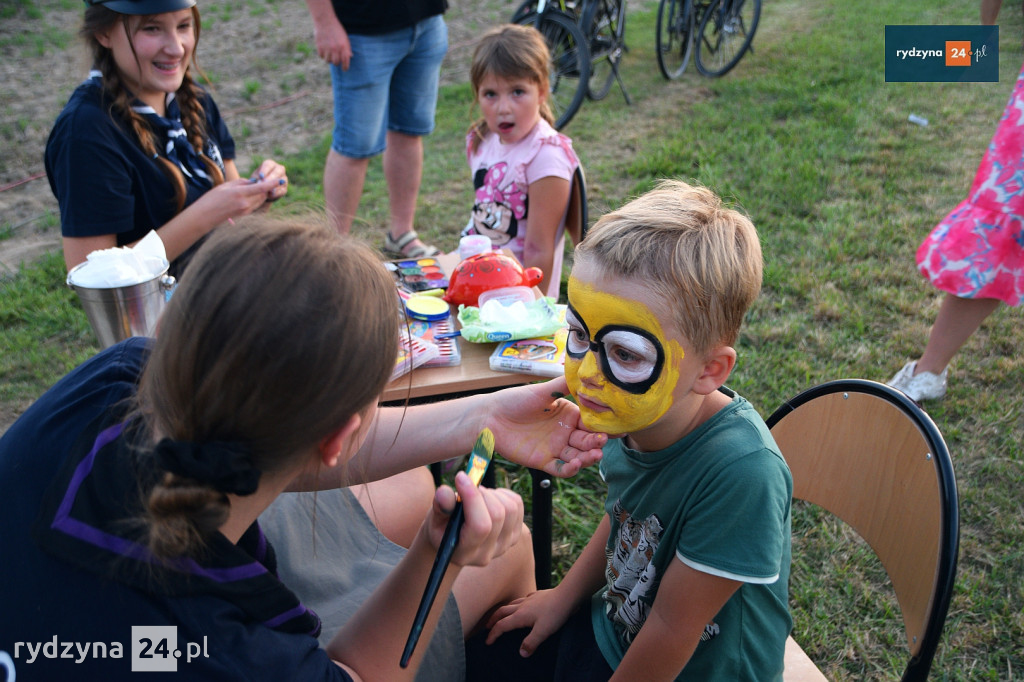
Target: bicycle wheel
525,8
570,63
604,23
674,37
725,33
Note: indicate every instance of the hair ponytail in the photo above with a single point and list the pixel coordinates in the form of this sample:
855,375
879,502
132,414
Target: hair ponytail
193,115
180,514
193,118
282,332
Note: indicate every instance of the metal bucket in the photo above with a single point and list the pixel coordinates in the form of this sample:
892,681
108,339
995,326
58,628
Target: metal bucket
117,313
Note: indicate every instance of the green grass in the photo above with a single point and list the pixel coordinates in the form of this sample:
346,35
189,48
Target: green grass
808,139
45,331
44,38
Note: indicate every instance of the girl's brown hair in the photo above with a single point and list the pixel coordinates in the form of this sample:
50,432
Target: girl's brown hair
99,19
510,51
279,334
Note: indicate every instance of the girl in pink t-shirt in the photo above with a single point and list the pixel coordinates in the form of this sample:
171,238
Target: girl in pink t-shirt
522,168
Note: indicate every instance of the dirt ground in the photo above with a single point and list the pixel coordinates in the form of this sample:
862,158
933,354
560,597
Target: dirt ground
260,54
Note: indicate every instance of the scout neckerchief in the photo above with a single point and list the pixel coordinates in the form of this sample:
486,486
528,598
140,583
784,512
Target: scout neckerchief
169,129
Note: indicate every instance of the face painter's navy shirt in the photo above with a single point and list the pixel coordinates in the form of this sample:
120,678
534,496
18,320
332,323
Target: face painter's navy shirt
45,599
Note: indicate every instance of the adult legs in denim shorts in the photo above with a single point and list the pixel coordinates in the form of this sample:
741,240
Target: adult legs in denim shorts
384,102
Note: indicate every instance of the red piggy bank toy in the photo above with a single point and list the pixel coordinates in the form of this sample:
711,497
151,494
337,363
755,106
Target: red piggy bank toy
485,271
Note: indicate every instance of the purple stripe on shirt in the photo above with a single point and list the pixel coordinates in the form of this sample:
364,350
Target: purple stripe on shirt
118,545
293,613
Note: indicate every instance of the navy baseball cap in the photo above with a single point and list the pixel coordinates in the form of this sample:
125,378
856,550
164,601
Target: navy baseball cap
143,6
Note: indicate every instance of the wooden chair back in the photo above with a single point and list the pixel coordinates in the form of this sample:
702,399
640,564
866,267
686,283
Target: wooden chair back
577,215
868,454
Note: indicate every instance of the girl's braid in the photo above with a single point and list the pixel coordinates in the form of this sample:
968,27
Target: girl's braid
121,107
193,118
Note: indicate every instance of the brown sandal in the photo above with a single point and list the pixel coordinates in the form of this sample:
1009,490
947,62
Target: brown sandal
396,248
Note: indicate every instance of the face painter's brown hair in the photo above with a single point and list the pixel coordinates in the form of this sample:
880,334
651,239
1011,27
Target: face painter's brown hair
281,332
99,19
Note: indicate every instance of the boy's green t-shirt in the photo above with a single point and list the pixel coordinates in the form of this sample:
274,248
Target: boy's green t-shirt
719,500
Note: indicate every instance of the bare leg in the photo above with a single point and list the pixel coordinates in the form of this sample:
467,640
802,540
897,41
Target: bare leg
990,11
958,318
398,505
481,589
343,185
403,171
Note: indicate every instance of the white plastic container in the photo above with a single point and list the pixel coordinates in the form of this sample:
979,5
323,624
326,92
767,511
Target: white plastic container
506,296
473,244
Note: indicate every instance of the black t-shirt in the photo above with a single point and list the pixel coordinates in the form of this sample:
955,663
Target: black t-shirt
371,17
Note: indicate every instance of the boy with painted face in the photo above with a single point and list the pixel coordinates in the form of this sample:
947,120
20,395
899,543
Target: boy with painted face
686,576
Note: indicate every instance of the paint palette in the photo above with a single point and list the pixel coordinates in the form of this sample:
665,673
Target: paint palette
421,274
426,308
448,344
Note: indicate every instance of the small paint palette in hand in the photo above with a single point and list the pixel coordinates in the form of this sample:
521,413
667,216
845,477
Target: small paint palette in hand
421,274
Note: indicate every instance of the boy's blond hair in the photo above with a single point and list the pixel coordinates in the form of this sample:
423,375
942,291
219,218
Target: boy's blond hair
702,258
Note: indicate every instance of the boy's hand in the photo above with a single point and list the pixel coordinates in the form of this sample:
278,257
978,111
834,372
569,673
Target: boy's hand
534,426
544,612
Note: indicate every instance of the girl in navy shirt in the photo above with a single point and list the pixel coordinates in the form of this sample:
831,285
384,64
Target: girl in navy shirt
140,146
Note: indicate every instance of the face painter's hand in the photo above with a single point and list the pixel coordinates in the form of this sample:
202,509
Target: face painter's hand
494,521
536,427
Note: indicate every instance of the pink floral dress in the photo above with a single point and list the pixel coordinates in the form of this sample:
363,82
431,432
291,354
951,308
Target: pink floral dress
977,251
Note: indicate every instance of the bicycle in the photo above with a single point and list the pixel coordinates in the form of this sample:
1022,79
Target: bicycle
604,24
726,25
586,40
676,24
711,26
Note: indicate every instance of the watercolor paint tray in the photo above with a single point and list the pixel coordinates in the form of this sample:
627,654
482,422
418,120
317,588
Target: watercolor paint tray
413,352
449,351
421,274
542,356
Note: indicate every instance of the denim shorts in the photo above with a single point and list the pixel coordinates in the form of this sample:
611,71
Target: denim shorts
391,84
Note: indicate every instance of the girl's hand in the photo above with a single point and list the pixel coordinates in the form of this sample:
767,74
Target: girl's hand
544,612
240,197
493,521
271,172
233,199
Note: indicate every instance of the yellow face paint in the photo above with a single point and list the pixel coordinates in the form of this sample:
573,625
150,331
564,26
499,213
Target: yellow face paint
605,403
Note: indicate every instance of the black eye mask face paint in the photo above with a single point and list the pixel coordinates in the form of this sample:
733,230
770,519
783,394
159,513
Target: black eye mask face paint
631,358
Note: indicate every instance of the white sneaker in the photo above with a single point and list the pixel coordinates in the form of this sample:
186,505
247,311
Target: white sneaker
920,386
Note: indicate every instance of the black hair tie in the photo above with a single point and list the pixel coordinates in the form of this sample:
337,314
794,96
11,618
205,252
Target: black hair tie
225,466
